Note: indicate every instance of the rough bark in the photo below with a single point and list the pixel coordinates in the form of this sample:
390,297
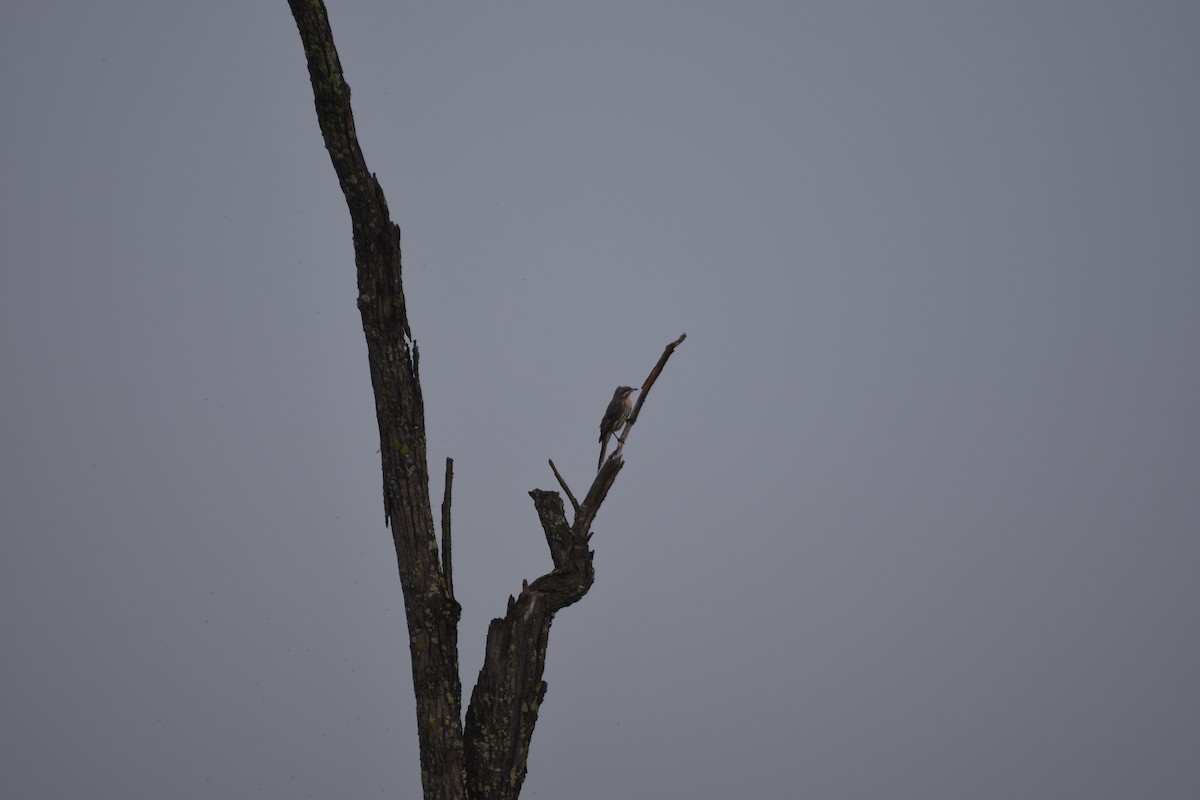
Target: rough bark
488,760
504,705
431,612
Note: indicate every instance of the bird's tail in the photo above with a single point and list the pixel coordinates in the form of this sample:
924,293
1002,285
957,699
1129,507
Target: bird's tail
603,449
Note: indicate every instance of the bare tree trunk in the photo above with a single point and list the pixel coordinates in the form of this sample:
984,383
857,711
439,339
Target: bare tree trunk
431,612
488,761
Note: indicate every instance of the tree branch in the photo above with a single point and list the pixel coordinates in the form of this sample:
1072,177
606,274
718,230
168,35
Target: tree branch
504,705
650,379
447,560
558,476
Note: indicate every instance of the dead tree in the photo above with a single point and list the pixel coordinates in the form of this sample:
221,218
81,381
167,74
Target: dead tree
487,758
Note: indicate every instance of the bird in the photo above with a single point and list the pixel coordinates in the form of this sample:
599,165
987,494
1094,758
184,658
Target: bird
614,417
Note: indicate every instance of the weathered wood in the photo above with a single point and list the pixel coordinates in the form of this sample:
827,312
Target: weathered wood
431,612
447,547
509,691
487,760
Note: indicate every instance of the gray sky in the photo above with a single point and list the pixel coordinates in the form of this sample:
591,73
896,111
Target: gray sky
912,514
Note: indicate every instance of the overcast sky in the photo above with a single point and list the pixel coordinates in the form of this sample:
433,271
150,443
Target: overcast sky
913,513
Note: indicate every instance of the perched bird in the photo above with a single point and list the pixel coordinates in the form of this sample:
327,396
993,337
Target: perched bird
614,417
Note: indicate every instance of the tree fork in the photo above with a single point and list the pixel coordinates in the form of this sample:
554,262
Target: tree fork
487,760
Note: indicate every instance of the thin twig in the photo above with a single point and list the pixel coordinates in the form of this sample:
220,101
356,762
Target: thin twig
447,563
563,484
654,373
